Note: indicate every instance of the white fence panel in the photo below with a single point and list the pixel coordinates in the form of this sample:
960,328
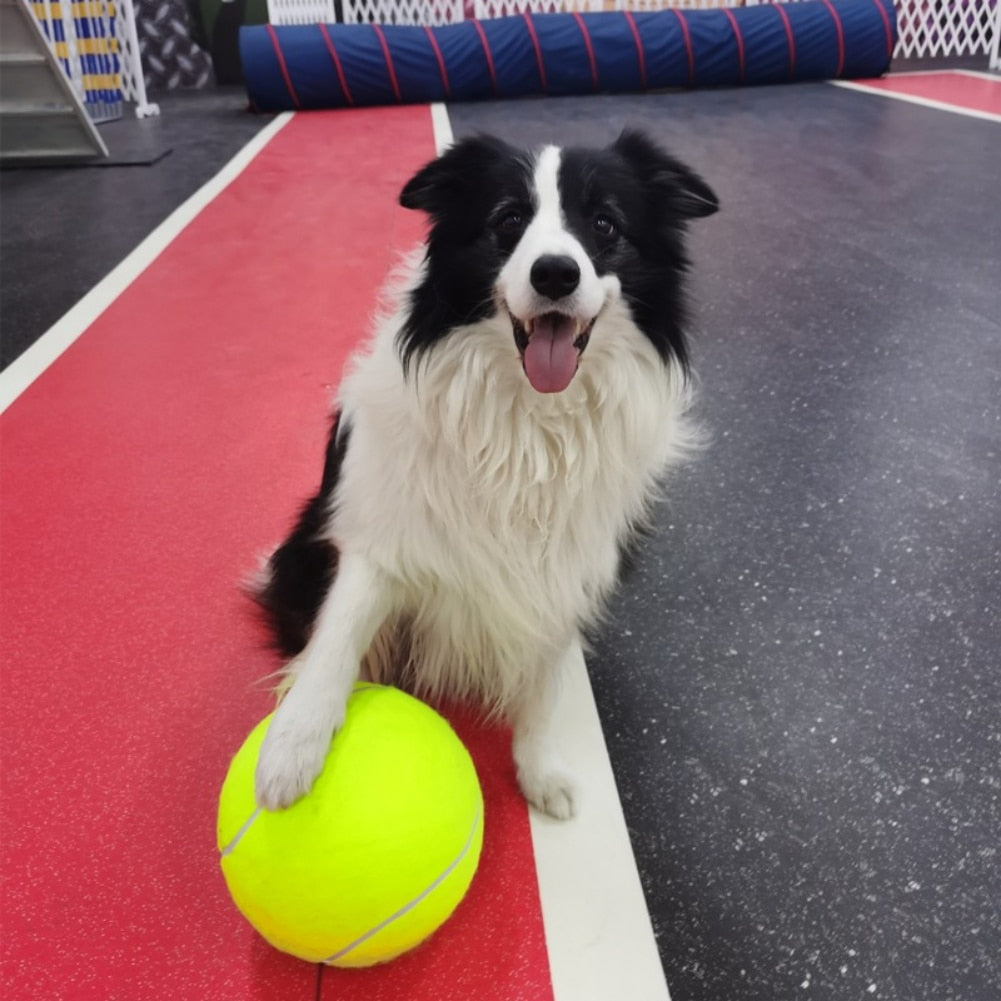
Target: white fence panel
643,5
430,12
502,8
301,11
957,28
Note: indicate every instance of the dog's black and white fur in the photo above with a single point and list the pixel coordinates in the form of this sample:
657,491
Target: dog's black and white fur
498,441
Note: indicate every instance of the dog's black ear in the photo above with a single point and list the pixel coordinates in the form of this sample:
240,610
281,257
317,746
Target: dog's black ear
440,183
686,193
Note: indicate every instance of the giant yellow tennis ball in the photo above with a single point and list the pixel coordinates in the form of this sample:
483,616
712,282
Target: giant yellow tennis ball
378,854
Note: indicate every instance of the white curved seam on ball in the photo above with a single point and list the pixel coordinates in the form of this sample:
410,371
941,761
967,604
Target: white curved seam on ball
413,903
240,833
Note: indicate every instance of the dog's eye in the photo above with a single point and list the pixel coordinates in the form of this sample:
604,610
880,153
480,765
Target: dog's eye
510,222
604,226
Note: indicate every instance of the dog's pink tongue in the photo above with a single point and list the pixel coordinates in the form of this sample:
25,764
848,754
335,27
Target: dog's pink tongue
551,358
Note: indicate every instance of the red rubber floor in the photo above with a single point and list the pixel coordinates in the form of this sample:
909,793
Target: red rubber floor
143,474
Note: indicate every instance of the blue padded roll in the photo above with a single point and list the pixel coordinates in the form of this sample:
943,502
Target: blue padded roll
341,65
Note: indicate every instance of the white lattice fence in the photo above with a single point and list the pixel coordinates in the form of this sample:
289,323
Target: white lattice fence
945,29
502,8
678,4
996,41
301,11
430,12
926,28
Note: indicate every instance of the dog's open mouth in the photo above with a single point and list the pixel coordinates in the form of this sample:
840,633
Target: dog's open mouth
550,346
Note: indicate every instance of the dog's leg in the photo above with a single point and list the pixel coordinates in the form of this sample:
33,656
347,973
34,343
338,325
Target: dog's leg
542,773
299,736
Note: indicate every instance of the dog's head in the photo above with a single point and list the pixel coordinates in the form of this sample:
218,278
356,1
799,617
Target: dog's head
551,241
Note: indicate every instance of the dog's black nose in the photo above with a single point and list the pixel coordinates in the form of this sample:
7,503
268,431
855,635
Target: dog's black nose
555,275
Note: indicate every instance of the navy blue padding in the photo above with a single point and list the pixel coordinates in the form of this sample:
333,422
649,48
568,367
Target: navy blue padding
616,52
414,62
816,40
664,48
287,67
363,60
715,45
768,57
513,56
463,51
568,67
264,77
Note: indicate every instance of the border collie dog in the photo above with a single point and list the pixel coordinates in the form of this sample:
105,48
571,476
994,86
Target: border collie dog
496,445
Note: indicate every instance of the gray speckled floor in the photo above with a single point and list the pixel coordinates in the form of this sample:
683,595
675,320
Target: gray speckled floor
800,682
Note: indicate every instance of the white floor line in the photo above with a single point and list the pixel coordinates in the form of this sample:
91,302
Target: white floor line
994,77
925,102
443,137
26,368
896,73
598,931
980,74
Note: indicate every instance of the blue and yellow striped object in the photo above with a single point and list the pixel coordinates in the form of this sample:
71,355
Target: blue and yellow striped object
96,45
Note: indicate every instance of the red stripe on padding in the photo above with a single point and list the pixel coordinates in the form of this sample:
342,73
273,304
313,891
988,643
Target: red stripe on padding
388,56
441,61
337,64
144,472
687,36
280,56
538,52
488,55
790,38
640,55
887,27
590,49
839,29
740,41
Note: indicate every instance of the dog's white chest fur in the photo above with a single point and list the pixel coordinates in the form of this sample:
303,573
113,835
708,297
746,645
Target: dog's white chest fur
496,511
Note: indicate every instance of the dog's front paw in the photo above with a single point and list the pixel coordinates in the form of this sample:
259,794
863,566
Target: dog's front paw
552,790
291,757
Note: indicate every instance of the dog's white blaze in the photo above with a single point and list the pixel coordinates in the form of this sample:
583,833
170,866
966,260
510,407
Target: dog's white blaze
547,188
547,233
